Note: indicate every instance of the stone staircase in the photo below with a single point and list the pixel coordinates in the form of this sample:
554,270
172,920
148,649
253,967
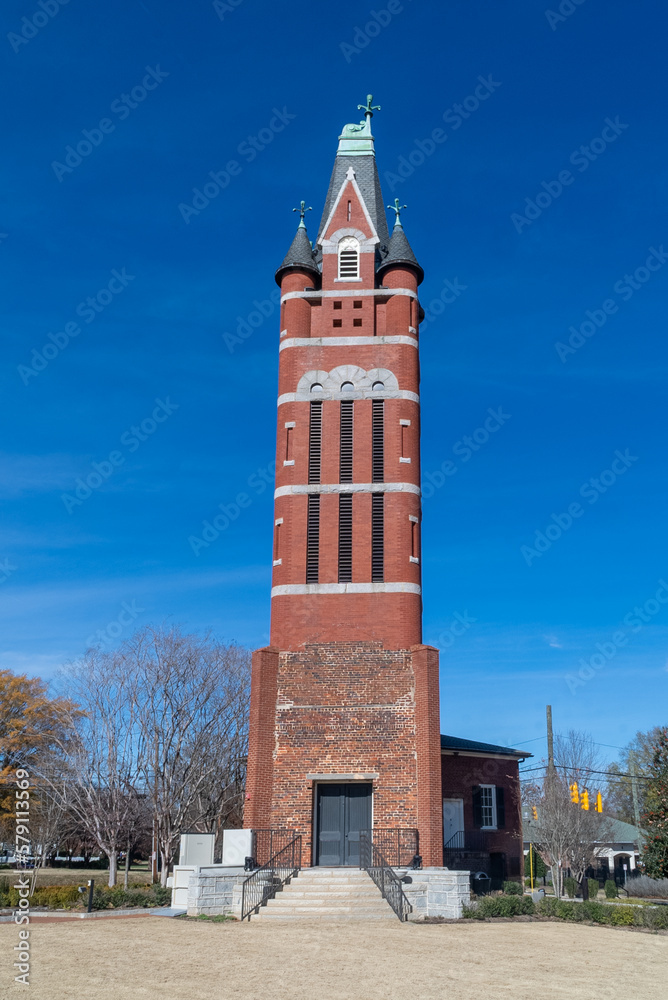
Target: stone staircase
328,894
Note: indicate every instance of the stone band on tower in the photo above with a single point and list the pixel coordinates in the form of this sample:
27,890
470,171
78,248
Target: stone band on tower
344,727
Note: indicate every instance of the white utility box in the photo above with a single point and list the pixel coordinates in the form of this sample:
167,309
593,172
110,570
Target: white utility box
196,849
237,846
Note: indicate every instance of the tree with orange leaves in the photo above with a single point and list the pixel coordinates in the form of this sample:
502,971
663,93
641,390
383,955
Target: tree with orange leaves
33,727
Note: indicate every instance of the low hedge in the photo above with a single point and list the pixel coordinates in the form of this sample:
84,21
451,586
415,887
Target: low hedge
59,897
499,906
561,909
153,895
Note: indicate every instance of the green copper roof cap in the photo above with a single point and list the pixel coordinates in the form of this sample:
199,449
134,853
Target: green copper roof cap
396,208
302,212
357,140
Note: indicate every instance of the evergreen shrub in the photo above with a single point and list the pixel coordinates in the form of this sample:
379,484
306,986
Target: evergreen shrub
610,889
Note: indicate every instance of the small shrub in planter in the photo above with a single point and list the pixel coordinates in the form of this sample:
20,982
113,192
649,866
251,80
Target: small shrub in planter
593,888
610,889
570,886
512,888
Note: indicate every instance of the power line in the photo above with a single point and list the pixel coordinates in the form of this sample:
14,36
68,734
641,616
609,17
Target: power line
589,770
610,746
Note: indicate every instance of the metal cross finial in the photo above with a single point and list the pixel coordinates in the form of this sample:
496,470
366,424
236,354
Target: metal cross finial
302,212
396,208
369,107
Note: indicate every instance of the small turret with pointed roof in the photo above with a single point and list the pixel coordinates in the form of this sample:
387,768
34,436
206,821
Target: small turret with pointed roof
399,251
300,255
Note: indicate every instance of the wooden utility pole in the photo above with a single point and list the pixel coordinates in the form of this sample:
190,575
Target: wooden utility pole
550,742
634,792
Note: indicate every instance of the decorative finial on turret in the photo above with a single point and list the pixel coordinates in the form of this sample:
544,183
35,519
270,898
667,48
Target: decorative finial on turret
396,208
369,107
302,212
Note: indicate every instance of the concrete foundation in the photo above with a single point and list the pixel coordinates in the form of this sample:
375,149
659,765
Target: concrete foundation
432,892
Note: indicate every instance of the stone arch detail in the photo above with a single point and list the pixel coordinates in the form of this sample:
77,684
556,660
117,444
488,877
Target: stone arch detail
361,379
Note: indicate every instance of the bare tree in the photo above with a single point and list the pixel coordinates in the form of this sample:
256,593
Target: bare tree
569,834
636,755
49,815
191,695
162,733
102,752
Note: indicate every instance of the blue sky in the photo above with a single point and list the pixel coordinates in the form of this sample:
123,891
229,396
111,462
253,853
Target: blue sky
159,347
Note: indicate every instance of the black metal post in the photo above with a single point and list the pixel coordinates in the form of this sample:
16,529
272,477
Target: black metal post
91,886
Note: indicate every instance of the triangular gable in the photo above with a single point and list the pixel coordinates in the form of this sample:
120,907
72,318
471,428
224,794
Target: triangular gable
350,181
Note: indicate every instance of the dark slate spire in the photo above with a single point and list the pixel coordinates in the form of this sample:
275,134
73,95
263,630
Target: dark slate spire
300,255
356,150
399,252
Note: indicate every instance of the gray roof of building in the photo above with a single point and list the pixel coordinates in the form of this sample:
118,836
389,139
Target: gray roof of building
456,743
400,252
615,831
368,181
300,255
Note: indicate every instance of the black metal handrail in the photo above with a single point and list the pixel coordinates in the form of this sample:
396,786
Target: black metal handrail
264,883
389,883
399,846
267,843
469,840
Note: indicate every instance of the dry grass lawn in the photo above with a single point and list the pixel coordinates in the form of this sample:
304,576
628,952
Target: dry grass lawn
79,876
155,957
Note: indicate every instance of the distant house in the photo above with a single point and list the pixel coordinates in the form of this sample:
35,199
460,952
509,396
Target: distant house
482,815
618,849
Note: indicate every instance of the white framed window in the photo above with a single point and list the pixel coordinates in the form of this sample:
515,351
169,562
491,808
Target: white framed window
349,259
488,807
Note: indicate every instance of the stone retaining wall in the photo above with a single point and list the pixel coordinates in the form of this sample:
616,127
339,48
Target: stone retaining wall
436,892
216,890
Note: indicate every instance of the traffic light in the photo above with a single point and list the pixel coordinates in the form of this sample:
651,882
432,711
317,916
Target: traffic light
534,812
599,803
584,799
575,797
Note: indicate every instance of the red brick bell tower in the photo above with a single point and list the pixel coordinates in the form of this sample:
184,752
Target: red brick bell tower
344,724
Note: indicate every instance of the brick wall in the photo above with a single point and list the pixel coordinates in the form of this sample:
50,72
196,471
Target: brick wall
459,775
395,620
259,775
344,708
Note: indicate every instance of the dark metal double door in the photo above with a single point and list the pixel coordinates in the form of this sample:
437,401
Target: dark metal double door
342,810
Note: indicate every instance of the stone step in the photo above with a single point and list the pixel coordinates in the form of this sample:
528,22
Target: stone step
311,901
300,883
329,917
355,891
327,911
328,894
331,884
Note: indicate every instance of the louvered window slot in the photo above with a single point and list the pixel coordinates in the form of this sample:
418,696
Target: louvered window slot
313,538
315,442
346,445
377,441
348,264
345,537
377,537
